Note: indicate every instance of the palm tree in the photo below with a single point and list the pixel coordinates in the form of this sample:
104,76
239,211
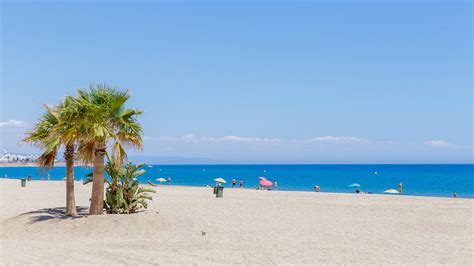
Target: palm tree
105,120
57,128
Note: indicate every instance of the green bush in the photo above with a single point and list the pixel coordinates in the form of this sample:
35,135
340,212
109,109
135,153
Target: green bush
124,194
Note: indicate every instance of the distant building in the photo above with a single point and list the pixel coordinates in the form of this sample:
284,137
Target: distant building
6,157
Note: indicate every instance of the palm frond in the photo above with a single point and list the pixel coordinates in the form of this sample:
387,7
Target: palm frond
46,159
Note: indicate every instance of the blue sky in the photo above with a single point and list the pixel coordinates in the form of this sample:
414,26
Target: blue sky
243,81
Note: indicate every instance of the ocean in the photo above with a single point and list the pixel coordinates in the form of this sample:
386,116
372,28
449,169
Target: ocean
438,180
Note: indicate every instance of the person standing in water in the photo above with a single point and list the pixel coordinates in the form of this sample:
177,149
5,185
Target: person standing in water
275,184
169,180
234,182
400,187
455,195
241,183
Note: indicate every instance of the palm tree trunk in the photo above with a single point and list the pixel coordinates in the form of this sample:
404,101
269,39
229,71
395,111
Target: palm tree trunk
97,198
70,199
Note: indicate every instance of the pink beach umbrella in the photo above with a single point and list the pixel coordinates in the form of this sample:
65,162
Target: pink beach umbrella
264,182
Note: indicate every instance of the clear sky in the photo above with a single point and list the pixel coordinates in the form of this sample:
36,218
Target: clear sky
255,81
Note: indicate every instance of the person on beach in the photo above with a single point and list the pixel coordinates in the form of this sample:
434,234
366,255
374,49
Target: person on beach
275,184
234,182
169,180
455,195
317,189
400,187
241,183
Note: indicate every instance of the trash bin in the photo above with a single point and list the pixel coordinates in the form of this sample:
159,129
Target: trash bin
23,182
220,192
215,190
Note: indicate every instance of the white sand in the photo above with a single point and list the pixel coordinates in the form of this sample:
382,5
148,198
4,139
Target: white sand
244,227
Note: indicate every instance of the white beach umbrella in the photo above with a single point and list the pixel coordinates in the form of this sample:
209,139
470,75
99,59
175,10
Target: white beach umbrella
220,180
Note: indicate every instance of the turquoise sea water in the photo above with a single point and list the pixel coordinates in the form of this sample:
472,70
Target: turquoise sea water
422,180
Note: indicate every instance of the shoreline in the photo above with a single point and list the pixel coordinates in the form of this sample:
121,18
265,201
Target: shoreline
79,183
336,179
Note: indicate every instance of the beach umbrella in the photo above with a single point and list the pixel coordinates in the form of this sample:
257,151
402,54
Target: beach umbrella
262,178
392,191
265,183
354,185
161,179
220,180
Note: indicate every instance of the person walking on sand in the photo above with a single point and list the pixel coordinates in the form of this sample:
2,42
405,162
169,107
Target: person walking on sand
455,195
169,180
241,183
234,182
275,184
400,187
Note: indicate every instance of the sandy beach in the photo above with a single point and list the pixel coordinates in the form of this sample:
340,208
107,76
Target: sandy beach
244,227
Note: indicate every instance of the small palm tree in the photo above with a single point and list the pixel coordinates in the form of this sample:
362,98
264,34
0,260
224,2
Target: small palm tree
105,120
57,128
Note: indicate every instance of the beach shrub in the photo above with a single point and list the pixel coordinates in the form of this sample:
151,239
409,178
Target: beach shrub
124,193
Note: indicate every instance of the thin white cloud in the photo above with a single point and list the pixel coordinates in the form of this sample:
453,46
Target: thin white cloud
13,123
332,139
439,143
190,138
248,139
340,140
